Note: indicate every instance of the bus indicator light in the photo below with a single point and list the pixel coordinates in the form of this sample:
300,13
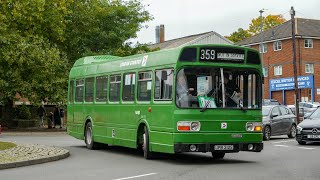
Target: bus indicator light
149,109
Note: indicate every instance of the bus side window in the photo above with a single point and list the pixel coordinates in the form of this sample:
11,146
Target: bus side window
144,86
163,85
128,86
89,88
101,88
79,90
115,81
71,93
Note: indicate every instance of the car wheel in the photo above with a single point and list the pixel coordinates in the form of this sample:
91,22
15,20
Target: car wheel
216,155
88,138
267,133
145,146
302,142
293,131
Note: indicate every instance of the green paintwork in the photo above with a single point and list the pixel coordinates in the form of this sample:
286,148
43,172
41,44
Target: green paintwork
122,117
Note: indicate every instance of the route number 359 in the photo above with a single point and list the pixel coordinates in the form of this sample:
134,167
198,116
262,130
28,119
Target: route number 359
207,54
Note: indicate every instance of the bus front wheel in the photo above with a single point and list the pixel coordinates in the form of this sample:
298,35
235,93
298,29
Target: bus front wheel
217,155
145,146
88,138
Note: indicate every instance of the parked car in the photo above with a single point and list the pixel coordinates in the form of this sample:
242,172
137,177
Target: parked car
309,106
302,111
309,129
267,102
278,120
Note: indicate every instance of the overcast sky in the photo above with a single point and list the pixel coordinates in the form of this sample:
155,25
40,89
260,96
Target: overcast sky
188,17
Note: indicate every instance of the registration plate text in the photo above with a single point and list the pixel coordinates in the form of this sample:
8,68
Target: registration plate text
223,147
314,136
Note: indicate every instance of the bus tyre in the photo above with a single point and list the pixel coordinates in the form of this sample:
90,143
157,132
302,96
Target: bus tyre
266,133
217,155
88,138
293,131
145,146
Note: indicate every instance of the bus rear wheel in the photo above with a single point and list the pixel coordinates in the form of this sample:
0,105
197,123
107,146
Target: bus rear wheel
145,146
217,155
88,137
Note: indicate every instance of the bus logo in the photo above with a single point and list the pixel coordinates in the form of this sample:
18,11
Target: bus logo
224,125
144,60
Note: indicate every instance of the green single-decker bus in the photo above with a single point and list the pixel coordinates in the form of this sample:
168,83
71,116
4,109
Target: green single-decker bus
197,98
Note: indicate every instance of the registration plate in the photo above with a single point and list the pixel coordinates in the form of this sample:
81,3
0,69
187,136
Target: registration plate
223,147
314,136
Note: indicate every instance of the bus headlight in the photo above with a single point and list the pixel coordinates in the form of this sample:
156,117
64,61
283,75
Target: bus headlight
188,126
254,126
299,129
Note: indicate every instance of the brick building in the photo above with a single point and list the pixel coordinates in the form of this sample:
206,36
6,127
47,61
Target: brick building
277,54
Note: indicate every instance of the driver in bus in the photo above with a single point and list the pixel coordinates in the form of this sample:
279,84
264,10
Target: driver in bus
232,92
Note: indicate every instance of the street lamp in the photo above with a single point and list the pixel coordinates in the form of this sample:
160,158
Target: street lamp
261,50
296,95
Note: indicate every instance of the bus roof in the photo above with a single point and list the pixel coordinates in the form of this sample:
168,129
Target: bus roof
106,63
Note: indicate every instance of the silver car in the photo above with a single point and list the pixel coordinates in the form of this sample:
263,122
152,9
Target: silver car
278,120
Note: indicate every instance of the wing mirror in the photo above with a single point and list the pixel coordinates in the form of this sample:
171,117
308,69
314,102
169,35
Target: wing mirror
274,115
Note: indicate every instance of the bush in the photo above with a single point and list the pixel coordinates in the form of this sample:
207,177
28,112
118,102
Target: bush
24,112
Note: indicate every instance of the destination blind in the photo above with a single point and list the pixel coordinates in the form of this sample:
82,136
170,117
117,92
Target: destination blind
227,55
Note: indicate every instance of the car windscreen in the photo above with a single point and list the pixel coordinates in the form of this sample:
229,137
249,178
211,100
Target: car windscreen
265,111
315,114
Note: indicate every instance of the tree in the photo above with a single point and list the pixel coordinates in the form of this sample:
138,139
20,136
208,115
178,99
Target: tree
254,27
102,27
239,35
268,22
40,40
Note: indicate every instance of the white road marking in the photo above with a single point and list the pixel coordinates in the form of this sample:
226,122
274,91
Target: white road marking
281,145
306,148
131,177
283,141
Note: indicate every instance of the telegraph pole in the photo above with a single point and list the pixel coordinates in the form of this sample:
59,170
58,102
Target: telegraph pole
292,12
261,51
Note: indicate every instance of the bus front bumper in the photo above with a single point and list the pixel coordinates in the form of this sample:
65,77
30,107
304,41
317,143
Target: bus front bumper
225,148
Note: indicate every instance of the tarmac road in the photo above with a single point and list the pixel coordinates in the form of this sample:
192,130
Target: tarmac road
282,158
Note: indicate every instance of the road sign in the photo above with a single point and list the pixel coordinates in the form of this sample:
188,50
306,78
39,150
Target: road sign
288,83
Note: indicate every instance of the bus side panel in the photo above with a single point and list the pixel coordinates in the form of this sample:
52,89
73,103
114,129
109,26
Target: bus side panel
102,132
161,128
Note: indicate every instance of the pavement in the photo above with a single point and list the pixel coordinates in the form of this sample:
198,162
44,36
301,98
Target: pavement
30,154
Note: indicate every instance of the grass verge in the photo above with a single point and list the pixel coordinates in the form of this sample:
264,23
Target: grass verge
6,145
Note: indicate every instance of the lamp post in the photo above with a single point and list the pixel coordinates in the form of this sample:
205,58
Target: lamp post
296,100
261,51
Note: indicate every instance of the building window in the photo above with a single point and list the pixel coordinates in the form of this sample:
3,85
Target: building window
163,84
265,72
129,82
263,48
277,46
308,43
277,70
309,68
144,86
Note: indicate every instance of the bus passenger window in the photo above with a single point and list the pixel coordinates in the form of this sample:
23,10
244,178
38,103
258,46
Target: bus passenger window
144,86
115,81
89,89
71,93
128,86
79,90
101,88
163,84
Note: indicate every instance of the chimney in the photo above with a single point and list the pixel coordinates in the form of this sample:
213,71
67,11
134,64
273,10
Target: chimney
157,34
161,33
